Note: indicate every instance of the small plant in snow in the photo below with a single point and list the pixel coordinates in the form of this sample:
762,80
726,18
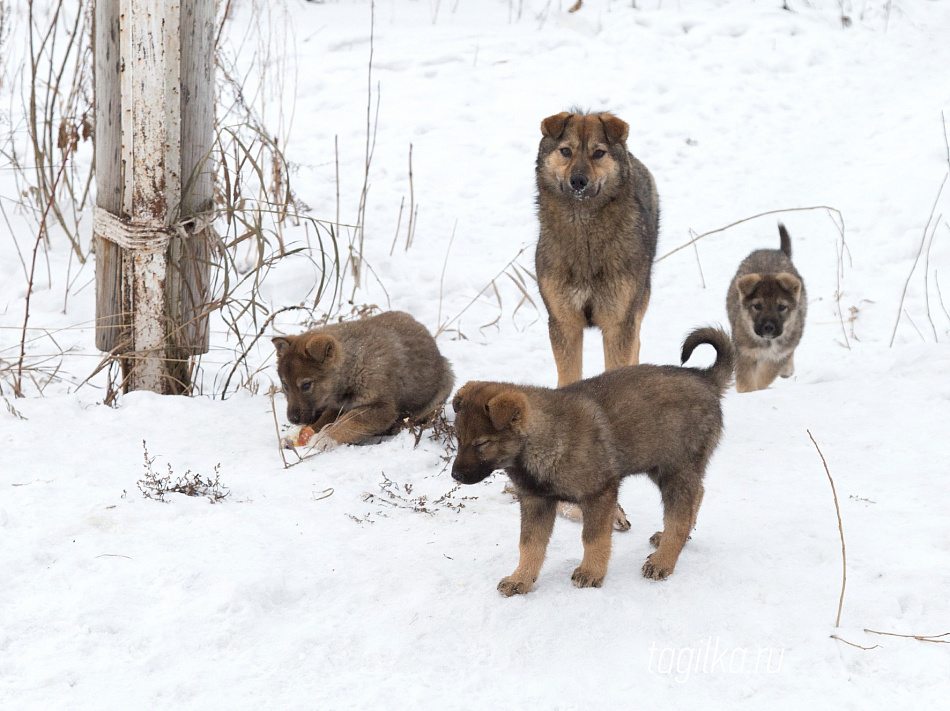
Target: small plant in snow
155,486
400,497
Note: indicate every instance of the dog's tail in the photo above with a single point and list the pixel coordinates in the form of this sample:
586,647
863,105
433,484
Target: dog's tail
785,240
719,373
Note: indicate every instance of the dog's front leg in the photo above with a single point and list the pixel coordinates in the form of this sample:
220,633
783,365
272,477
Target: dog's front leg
357,424
598,525
537,522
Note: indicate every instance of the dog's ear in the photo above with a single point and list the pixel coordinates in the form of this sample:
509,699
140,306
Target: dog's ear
281,344
323,348
553,126
790,283
464,393
508,410
615,129
747,284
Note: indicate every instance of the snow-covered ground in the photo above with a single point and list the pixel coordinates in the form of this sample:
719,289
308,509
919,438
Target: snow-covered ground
311,587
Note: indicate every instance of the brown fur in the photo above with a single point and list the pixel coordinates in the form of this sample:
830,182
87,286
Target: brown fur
576,444
599,216
767,305
360,378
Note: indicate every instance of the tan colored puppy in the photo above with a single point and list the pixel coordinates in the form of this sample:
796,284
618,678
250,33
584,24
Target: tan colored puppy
599,216
577,443
766,303
353,380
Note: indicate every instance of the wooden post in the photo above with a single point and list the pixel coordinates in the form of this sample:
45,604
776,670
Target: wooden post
154,132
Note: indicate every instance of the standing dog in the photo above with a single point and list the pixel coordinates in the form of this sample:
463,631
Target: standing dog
350,381
577,443
599,216
766,305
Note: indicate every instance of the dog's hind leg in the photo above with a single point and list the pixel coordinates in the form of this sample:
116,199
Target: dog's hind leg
598,525
681,499
537,522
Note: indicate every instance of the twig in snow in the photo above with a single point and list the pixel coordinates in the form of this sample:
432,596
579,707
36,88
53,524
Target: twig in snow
413,210
699,264
273,410
445,263
844,557
919,637
923,241
747,219
866,649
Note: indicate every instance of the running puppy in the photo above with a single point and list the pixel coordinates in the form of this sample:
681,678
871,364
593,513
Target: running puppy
577,443
353,380
599,216
766,304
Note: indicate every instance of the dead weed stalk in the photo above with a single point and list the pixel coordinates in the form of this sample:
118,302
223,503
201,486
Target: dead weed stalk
156,486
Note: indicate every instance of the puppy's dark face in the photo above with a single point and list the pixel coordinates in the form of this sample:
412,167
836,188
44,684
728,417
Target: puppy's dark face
579,155
308,367
769,301
490,421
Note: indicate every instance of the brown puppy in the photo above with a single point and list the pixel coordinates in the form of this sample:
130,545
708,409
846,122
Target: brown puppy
766,305
357,379
599,216
577,443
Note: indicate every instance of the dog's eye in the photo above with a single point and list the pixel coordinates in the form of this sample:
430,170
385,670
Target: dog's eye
782,308
305,386
480,445
598,154
756,307
566,152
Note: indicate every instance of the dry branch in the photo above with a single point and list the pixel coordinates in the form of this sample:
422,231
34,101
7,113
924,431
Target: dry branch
844,557
919,637
748,219
866,649
923,241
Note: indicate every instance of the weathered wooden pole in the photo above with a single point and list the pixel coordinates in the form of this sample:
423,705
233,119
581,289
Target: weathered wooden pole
154,131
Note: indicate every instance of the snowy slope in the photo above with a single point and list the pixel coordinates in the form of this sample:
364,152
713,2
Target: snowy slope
306,589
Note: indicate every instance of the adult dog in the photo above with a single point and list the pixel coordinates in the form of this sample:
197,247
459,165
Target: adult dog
599,216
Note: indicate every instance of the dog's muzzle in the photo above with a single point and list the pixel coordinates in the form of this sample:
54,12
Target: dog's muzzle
471,475
769,329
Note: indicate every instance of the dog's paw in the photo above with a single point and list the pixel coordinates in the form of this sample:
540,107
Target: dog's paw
571,511
586,579
514,586
321,442
654,570
620,520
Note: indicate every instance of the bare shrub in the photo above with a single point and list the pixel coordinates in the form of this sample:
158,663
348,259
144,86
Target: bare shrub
156,486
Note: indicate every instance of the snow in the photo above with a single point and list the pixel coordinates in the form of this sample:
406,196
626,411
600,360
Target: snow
301,590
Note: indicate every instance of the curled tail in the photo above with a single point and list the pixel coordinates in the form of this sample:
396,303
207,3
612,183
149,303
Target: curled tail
720,372
785,242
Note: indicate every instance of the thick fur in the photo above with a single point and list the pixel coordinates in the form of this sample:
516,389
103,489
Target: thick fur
599,216
360,378
766,305
577,443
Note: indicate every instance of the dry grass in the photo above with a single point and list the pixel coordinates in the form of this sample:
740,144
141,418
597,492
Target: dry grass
157,486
